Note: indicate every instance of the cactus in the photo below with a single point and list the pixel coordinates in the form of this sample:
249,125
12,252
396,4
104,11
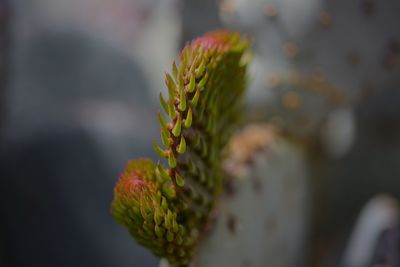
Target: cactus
320,59
167,208
262,216
299,58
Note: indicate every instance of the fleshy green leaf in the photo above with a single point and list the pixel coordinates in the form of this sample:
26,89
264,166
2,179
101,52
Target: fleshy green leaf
182,146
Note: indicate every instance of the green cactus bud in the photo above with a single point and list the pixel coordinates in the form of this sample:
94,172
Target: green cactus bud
175,70
171,160
158,216
162,121
162,173
164,204
203,81
176,131
168,191
195,98
164,103
165,137
171,110
179,180
188,120
170,85
182,100
160,151
182,146
159,231
200,70
192,84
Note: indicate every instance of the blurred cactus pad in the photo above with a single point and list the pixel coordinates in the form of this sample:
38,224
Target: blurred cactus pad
167,208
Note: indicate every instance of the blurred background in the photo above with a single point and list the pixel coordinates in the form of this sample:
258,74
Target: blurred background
79,83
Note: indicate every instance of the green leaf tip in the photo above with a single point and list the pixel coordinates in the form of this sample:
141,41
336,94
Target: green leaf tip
188,120
176,131
192,84
171,160
182,100
182,145
162,153
179,180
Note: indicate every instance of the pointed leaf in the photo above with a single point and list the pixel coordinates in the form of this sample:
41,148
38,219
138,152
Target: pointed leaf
175,70
171,160
165,137
203,81
179,180
182,100
188,120
176,131
171,85
160,151
200,70
182,145
164,103
162,121
192,83
195,98
171,110
162,172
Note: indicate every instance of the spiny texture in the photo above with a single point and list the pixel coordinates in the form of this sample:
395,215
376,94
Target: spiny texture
140,205
165,208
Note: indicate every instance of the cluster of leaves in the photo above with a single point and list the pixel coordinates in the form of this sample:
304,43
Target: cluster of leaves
165,208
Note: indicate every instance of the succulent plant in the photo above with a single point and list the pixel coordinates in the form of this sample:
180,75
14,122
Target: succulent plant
263,214
317,92
166,208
